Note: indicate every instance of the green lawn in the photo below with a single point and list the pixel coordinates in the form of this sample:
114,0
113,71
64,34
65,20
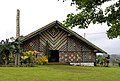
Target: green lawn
59,73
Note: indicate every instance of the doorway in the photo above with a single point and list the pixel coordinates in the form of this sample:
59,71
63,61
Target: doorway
53,56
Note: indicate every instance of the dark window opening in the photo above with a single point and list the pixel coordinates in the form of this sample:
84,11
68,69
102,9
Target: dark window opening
53,56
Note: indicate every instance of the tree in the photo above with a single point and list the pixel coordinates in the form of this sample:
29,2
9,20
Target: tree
17,49
6,48
90,11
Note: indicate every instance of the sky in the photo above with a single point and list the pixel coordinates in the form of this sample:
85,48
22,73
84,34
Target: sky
35,14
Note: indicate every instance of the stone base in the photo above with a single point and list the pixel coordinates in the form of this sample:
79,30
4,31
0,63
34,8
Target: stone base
82,64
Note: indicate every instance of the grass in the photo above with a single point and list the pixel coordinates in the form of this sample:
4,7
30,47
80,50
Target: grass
59,73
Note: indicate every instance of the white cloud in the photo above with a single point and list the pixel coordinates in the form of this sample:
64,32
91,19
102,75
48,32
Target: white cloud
37,13
97,35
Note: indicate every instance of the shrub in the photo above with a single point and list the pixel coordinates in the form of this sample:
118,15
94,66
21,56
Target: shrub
29,56
42,60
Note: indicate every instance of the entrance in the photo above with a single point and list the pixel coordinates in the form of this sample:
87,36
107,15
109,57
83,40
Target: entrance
53,56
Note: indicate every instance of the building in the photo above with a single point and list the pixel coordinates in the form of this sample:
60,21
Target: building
62,44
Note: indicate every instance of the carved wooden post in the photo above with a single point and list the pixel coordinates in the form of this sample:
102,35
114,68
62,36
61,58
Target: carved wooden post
18,24
17,55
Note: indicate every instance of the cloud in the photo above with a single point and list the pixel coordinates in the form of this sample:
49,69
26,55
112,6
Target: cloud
38,13
97,35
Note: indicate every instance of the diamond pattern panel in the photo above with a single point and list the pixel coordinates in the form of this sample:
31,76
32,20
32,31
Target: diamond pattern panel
70,57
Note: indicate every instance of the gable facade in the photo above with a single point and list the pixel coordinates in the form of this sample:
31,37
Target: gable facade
70,49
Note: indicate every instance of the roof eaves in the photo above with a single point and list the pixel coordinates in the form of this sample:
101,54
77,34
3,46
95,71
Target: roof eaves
38,31
62,27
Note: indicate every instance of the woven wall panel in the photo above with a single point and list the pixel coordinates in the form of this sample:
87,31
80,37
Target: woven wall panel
85,48
31,44
88,57
74,44
71,44
78,45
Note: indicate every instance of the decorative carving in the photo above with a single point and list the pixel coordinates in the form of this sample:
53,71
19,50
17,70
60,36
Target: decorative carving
31,44
53,31
56,38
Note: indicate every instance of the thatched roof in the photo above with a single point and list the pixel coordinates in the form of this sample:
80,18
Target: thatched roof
60,25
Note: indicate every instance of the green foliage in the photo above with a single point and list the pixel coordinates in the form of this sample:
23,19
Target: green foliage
11,58
90,11
103,60
6,48
100,58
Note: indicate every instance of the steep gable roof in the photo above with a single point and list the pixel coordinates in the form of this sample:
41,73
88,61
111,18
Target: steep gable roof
60,25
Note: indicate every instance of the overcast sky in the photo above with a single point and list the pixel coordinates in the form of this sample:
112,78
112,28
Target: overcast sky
38,13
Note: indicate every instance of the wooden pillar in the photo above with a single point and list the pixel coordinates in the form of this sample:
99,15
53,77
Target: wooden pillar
17,55
18,24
